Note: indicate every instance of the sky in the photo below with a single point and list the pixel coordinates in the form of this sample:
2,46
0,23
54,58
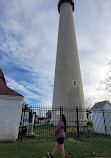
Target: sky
28,44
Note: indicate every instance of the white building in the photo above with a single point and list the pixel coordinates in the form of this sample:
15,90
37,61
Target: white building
101,115
11,104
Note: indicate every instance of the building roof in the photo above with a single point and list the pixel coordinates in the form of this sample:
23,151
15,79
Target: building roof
4,89
99,105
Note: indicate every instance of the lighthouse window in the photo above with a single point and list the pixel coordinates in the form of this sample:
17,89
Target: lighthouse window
69,14
74,83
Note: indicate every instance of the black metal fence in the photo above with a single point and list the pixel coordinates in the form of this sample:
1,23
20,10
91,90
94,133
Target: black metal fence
40,122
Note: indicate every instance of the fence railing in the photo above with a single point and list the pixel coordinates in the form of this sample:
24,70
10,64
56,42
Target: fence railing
40,122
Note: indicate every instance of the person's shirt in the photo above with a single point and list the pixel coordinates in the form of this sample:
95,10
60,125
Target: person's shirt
59,132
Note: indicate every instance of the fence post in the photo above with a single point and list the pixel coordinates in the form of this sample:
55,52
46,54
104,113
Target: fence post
61,110
20,134
77,122
104,122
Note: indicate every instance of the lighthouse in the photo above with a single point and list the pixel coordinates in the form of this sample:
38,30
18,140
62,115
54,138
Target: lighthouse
68,88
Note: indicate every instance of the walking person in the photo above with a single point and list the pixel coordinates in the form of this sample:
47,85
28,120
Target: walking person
60,135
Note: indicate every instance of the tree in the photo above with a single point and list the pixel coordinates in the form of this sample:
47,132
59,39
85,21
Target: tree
106,83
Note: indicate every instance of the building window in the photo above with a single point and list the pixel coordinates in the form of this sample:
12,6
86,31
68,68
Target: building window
74,83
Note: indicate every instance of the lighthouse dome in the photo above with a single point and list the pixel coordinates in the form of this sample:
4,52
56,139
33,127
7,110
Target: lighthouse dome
64,1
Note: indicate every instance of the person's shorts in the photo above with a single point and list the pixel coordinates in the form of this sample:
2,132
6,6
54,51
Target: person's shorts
60,140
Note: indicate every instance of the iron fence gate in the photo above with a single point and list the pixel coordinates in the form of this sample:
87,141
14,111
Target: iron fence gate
39,122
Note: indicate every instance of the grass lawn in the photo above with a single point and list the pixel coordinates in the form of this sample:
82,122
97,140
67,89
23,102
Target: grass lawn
47,131
87,147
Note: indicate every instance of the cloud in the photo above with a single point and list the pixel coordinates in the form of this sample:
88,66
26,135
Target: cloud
28,41
92,24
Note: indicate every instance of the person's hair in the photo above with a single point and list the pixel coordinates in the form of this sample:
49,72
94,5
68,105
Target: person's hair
64,120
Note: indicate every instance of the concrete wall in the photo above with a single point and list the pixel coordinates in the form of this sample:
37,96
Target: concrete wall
10,116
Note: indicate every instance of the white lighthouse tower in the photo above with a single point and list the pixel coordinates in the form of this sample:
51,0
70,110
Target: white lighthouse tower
68,89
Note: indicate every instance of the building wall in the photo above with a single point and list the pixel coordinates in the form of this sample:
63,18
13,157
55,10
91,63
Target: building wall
10,116
98,122
107,116
102,120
